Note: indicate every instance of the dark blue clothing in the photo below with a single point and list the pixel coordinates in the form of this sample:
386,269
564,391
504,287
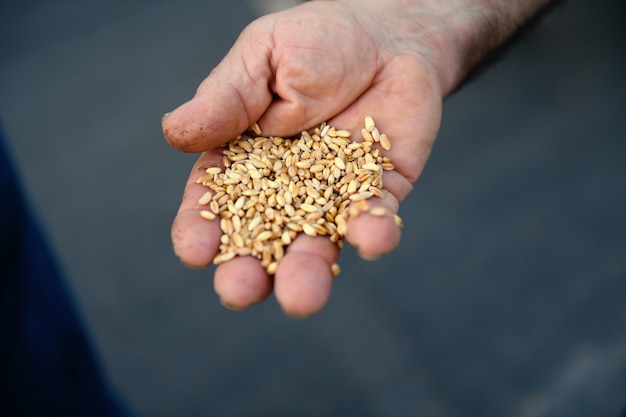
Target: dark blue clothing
47,366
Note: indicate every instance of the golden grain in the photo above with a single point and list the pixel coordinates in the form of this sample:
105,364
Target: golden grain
309,229
206,214
377,192
256,129
342,225
265,235
371,166
309,208
361,206
206,198
238,240
322,172
243,251
223,257
398,221
272,267
385,142
378,211
317,168
388,166
361,196
213,170
375,134
367,136
236,220
339,163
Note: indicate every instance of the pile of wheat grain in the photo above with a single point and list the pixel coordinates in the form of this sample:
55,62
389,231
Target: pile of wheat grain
272,188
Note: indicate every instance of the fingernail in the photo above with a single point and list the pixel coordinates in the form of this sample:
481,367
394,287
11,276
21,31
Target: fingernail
186,265
294,316
231,306
165,116
369,258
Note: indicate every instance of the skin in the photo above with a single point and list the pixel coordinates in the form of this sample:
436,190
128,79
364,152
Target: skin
324,61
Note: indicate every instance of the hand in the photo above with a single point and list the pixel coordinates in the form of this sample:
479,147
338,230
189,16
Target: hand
290,71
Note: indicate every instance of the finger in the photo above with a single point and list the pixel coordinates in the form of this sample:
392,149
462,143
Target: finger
315,77
241,282
195,239
303,280
286,81
228,101
373,231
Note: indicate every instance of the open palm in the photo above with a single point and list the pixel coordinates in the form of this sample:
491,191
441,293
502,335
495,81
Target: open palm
289,72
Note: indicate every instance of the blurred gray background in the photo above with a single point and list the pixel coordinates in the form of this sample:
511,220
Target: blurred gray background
507,296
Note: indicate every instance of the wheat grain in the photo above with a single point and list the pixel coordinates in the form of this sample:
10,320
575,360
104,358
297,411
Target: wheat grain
273,188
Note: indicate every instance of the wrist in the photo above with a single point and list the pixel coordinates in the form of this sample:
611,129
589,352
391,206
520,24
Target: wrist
453,36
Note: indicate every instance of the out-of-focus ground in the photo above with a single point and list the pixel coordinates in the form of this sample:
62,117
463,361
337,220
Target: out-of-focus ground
507,296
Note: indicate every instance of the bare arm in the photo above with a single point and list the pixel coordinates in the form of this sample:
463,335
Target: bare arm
455,36
334,61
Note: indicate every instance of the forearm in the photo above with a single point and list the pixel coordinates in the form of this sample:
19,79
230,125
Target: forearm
455,36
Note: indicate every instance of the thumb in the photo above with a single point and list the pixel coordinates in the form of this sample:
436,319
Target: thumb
227,102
